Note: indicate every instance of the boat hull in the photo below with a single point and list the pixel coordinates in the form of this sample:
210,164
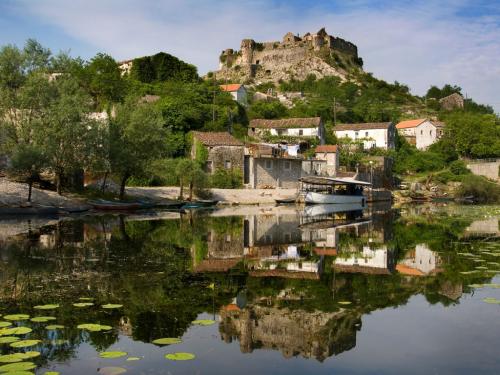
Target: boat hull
326,209
317,198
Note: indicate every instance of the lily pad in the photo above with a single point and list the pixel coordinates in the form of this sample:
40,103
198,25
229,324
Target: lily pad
16,331
167,341
133,359
16,317
111,306
19,366
112,354
85,299
46,307
19,373
30,354
42,319
24,343
10,358
112,370
180,356
491,300
83,304
52,327
5,324
344,302
8,339
94,327
51,373
203,322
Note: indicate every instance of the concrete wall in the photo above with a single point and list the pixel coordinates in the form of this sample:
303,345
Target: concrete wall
275,172
488,168
218,155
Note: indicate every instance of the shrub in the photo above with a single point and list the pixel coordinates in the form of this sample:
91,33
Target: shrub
480,188
458,168
226,179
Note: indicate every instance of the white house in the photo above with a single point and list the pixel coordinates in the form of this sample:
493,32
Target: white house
238,92
420,262
374,261
420,132
329,153
377,134
305,128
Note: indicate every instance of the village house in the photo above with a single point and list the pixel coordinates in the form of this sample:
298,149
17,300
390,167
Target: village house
301,128
237,91
371,135
420,132
267,167
452,101
330,154
420,262
223,150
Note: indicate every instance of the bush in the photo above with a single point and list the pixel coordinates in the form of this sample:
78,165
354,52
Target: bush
458,168
480,188
226,179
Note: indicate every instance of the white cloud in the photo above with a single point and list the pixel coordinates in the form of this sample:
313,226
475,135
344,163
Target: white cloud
419,45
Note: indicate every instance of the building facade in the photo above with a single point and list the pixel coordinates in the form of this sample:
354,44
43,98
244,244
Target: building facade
237,91
299,128
224,151
371,135
420,132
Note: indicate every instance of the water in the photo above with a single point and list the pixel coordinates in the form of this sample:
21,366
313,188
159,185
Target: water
383,291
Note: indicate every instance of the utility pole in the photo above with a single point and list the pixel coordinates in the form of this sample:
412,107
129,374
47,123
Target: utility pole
334,111
213,101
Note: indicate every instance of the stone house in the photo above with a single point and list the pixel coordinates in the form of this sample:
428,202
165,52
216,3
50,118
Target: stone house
375,134
330,154
224,150
420,132
237,91
301,128
452,101
269,167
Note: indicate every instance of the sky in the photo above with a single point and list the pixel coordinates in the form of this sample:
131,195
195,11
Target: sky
419,43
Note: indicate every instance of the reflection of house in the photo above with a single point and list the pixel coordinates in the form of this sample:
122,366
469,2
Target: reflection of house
483,228
420,132
224,151
420,262
378,134
370,261
237,91
302,128
314,334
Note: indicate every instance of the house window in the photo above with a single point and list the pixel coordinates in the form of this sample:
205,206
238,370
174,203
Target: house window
366,134
421,132
430,132
269,164
356,134
301,132
228,238
209,166
288,165
227,164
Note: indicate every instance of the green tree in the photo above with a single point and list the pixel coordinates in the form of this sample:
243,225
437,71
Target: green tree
105,82
136,138
27,162
190,173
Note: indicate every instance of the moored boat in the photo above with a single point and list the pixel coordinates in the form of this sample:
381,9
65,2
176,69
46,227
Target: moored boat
286,200
333,190
200,203
116,206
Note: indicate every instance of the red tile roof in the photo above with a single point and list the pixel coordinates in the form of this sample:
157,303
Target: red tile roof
327,148
231,87
406,270
308,122
363,126
410,123
217,139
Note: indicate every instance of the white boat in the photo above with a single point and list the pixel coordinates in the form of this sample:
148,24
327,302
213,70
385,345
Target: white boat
333,190
326,209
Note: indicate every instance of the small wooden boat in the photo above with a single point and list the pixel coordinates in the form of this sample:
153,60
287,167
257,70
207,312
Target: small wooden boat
173,205
200,203
116,206
442,198
286,200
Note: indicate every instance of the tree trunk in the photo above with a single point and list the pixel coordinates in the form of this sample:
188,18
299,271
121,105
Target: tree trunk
30,189
103,186
181,193
122,185
59,182
191,187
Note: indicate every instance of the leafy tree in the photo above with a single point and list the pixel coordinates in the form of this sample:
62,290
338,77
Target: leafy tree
105,82
27,162
438,93
267,110
136,138
190,173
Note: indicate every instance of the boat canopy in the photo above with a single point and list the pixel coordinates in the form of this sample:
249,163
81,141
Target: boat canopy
317,180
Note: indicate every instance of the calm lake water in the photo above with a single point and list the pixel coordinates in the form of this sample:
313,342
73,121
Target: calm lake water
255,290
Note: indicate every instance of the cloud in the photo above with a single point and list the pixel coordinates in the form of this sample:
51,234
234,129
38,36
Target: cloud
418,43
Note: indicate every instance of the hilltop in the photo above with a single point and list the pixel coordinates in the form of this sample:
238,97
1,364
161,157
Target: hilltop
294,58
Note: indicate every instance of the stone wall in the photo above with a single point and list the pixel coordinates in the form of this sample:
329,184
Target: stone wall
489,168
218,155
275,175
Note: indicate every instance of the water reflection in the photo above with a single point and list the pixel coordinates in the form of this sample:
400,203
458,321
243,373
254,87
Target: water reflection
275,279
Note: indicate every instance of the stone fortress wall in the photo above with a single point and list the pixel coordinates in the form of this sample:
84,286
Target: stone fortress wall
294,55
